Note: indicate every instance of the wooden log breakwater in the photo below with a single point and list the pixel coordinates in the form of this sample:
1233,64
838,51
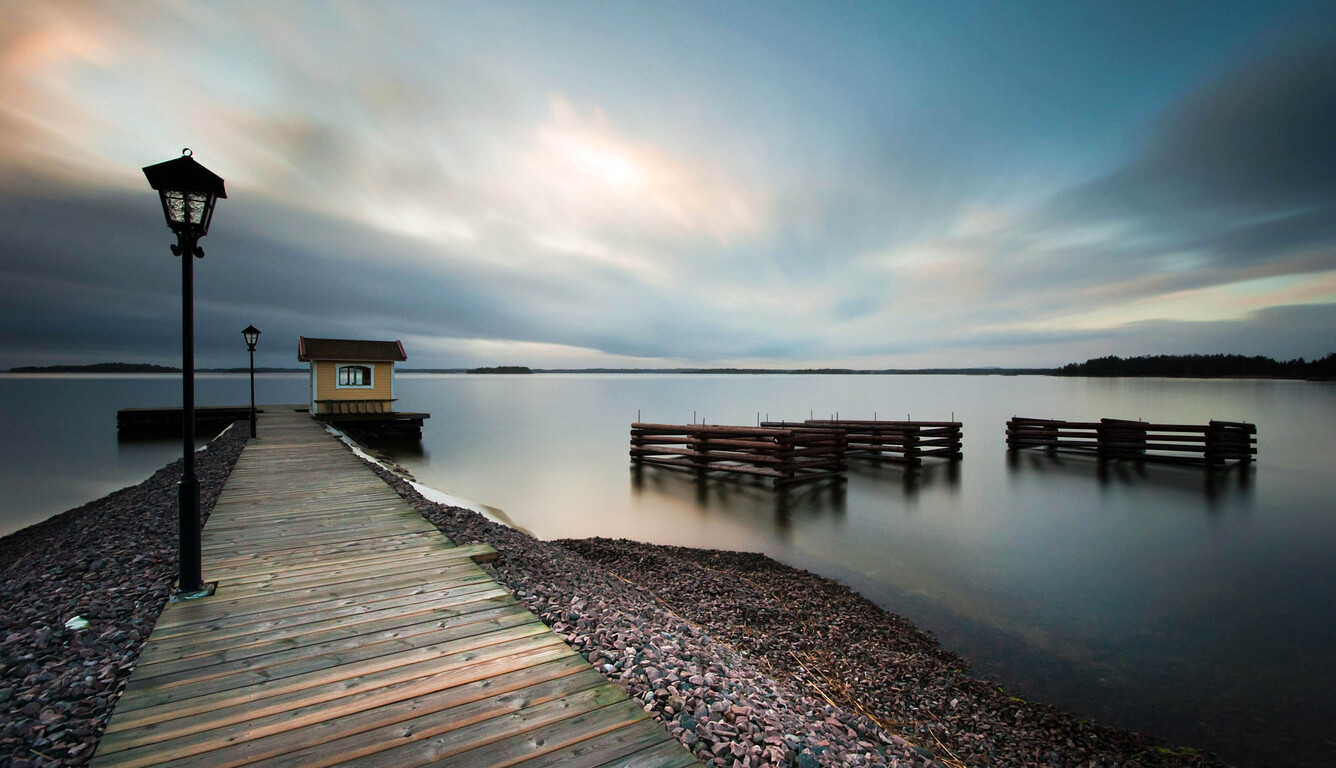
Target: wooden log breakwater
154,422
788,455
1213,444
895,442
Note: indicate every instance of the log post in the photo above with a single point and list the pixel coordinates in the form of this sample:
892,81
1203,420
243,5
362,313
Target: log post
700,443
1213,457
784,446
911,445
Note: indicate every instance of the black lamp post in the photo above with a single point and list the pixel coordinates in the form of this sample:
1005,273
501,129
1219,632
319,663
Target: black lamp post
188,191
252,335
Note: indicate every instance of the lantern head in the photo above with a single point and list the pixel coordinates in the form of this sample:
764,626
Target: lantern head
188,191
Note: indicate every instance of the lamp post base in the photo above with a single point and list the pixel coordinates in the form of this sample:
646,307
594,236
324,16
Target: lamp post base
190,576
181,597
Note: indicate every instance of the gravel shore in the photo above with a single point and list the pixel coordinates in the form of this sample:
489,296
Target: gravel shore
750,662
818,633
111,562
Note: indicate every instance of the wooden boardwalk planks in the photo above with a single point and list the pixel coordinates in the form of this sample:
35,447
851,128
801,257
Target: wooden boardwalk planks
347,630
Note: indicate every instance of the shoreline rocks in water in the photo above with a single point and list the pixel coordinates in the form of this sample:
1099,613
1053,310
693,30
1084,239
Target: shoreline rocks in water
750,662
113,563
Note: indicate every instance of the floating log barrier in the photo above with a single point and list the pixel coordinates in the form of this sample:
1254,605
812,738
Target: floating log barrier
892,442
788,455
157,422
358,420
1213,444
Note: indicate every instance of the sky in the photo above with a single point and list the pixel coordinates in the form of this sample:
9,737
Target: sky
769,184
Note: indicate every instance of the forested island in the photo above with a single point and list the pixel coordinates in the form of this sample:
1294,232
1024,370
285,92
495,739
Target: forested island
502,369
138,368
96,368
1204,367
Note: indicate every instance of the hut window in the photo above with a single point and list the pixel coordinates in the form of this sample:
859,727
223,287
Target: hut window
354,376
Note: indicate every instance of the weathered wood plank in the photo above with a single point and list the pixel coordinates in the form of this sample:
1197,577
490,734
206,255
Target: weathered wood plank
405,624
286,631
315,670
444,670
265,737
210,666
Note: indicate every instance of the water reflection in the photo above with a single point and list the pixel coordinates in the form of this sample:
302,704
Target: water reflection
742,495
1234,481
396,448
746,495
908,481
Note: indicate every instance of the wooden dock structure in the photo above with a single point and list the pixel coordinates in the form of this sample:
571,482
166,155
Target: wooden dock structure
157,422
788,455
377,425
346,629
1214,444
891,442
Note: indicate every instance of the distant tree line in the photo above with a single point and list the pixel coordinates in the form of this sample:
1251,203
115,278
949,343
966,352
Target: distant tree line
502,369
96,368
1204,366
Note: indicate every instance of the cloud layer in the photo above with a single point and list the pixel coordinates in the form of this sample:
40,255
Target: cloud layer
509,185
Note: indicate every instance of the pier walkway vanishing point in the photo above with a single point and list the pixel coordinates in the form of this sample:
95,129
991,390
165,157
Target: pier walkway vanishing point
346,629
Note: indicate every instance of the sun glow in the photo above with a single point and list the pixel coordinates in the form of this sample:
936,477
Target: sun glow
604,164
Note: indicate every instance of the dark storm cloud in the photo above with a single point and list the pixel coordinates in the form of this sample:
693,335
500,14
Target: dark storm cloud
1265,136
1243,170
111,282
110,287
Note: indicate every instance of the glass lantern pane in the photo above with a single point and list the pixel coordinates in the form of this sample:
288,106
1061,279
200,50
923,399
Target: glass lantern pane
195,203
176,206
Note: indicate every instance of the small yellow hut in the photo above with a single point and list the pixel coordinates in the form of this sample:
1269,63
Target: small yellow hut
351,376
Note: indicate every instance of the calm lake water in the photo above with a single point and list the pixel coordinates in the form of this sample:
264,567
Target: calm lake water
1200,608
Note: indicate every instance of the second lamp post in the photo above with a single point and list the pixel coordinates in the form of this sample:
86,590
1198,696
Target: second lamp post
252,336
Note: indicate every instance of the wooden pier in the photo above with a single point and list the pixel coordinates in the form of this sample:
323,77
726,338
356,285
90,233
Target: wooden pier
347,629
891,442
788,455
1212,445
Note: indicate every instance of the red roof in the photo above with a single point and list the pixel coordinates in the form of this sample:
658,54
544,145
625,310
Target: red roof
352,350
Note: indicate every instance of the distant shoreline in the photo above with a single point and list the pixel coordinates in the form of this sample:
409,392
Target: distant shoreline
1157,366
138,368
70,369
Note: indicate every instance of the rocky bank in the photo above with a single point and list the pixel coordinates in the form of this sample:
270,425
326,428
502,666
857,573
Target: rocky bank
111,562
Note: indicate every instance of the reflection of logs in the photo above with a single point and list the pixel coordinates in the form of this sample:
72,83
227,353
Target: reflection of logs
898,442
1212,444
787,455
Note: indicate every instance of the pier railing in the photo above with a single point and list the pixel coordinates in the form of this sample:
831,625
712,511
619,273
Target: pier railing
788,455
1213,444
895,442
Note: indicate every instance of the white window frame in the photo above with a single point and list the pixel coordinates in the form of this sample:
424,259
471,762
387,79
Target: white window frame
371,367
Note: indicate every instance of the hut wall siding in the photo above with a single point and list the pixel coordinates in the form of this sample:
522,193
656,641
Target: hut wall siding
326,382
